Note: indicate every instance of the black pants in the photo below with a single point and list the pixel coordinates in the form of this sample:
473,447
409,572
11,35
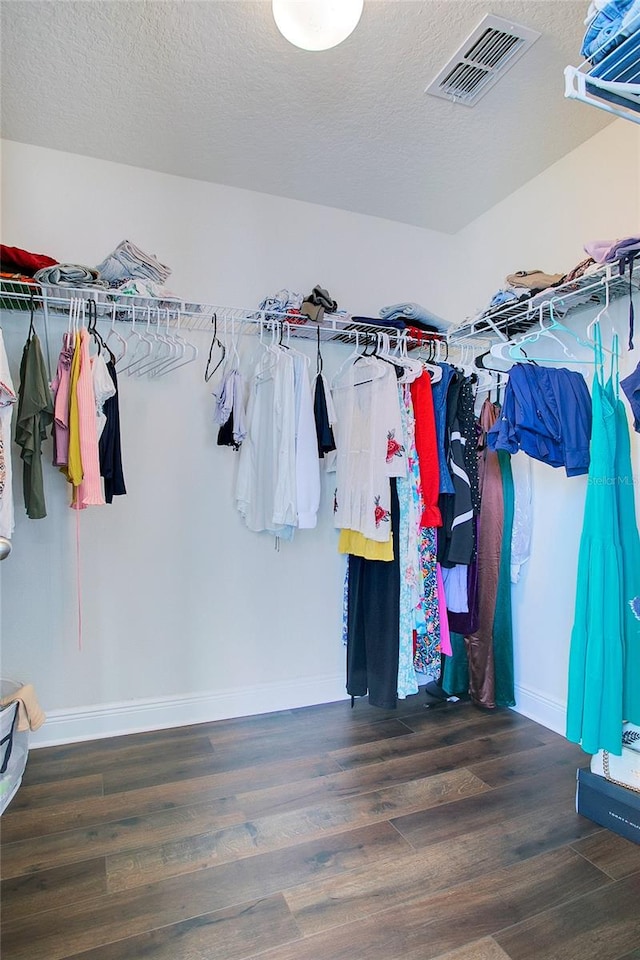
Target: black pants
373,623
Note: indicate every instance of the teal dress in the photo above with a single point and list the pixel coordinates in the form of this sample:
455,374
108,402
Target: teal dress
630,545
603,657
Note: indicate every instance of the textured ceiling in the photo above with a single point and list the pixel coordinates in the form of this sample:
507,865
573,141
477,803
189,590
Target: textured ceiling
210,90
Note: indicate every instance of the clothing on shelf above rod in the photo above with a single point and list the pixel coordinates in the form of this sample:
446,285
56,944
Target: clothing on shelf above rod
515,318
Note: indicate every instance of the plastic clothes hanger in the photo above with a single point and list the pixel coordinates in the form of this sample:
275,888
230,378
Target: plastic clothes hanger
433,369
215,343
188,347
133,335
597,320
161,352
114,333
350,360
92,328
412,366
542,331
178,347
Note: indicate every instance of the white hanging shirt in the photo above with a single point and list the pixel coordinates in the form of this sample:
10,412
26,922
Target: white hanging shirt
370,446
7,400
103,388
266,484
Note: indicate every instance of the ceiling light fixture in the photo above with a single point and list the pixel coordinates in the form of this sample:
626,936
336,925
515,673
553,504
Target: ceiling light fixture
316,24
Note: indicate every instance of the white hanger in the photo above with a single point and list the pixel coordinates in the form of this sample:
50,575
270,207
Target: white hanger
412,366
114,333
600,314
188,347
434,369
353,356
140,354
133,335
165,350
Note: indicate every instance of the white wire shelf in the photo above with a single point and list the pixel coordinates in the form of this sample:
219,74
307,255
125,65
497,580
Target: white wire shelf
514,318
613,84
186,315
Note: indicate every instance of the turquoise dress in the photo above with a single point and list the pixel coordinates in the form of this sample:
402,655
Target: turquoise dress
603,657
630,546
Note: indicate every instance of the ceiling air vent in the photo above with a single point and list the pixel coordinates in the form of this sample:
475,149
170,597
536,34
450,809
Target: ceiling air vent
486,54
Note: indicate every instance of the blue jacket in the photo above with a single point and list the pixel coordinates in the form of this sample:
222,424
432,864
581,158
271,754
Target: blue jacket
547,414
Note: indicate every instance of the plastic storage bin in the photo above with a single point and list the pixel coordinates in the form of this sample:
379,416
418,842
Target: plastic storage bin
14,749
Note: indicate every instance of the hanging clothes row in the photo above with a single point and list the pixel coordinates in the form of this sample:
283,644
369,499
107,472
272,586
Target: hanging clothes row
86,430
400,435
80,406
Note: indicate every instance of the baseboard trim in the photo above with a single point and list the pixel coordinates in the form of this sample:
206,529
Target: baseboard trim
548,711
137,716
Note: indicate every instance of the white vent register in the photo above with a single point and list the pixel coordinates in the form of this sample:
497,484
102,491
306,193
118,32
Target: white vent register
492,48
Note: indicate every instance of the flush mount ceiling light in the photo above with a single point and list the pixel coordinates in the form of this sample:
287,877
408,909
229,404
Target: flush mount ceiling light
316,24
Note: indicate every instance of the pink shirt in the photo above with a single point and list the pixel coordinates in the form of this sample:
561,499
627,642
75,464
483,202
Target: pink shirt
89,493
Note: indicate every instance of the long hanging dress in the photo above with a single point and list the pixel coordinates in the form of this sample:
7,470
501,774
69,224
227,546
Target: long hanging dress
503,620
630,546
479,644
596,659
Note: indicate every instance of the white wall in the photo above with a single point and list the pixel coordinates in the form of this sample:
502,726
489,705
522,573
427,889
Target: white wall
186,615
179,600
592,193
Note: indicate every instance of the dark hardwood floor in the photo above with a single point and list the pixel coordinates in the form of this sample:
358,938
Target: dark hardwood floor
317,834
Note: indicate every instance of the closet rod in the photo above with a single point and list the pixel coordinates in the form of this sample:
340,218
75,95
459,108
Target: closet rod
190,316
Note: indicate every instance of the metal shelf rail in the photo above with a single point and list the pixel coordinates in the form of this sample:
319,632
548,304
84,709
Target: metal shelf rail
504,322
185,315
613,84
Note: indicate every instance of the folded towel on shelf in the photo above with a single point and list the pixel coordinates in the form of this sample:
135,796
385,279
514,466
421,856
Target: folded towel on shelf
70,275
415,313
608,251
15,260
30,713
129,261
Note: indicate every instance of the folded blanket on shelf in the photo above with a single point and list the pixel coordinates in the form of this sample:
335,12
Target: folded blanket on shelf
70,275
417,314
129,261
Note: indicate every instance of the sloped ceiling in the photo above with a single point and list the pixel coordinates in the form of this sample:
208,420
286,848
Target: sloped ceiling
210,90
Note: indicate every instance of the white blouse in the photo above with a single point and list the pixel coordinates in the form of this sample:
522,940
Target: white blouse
370,446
